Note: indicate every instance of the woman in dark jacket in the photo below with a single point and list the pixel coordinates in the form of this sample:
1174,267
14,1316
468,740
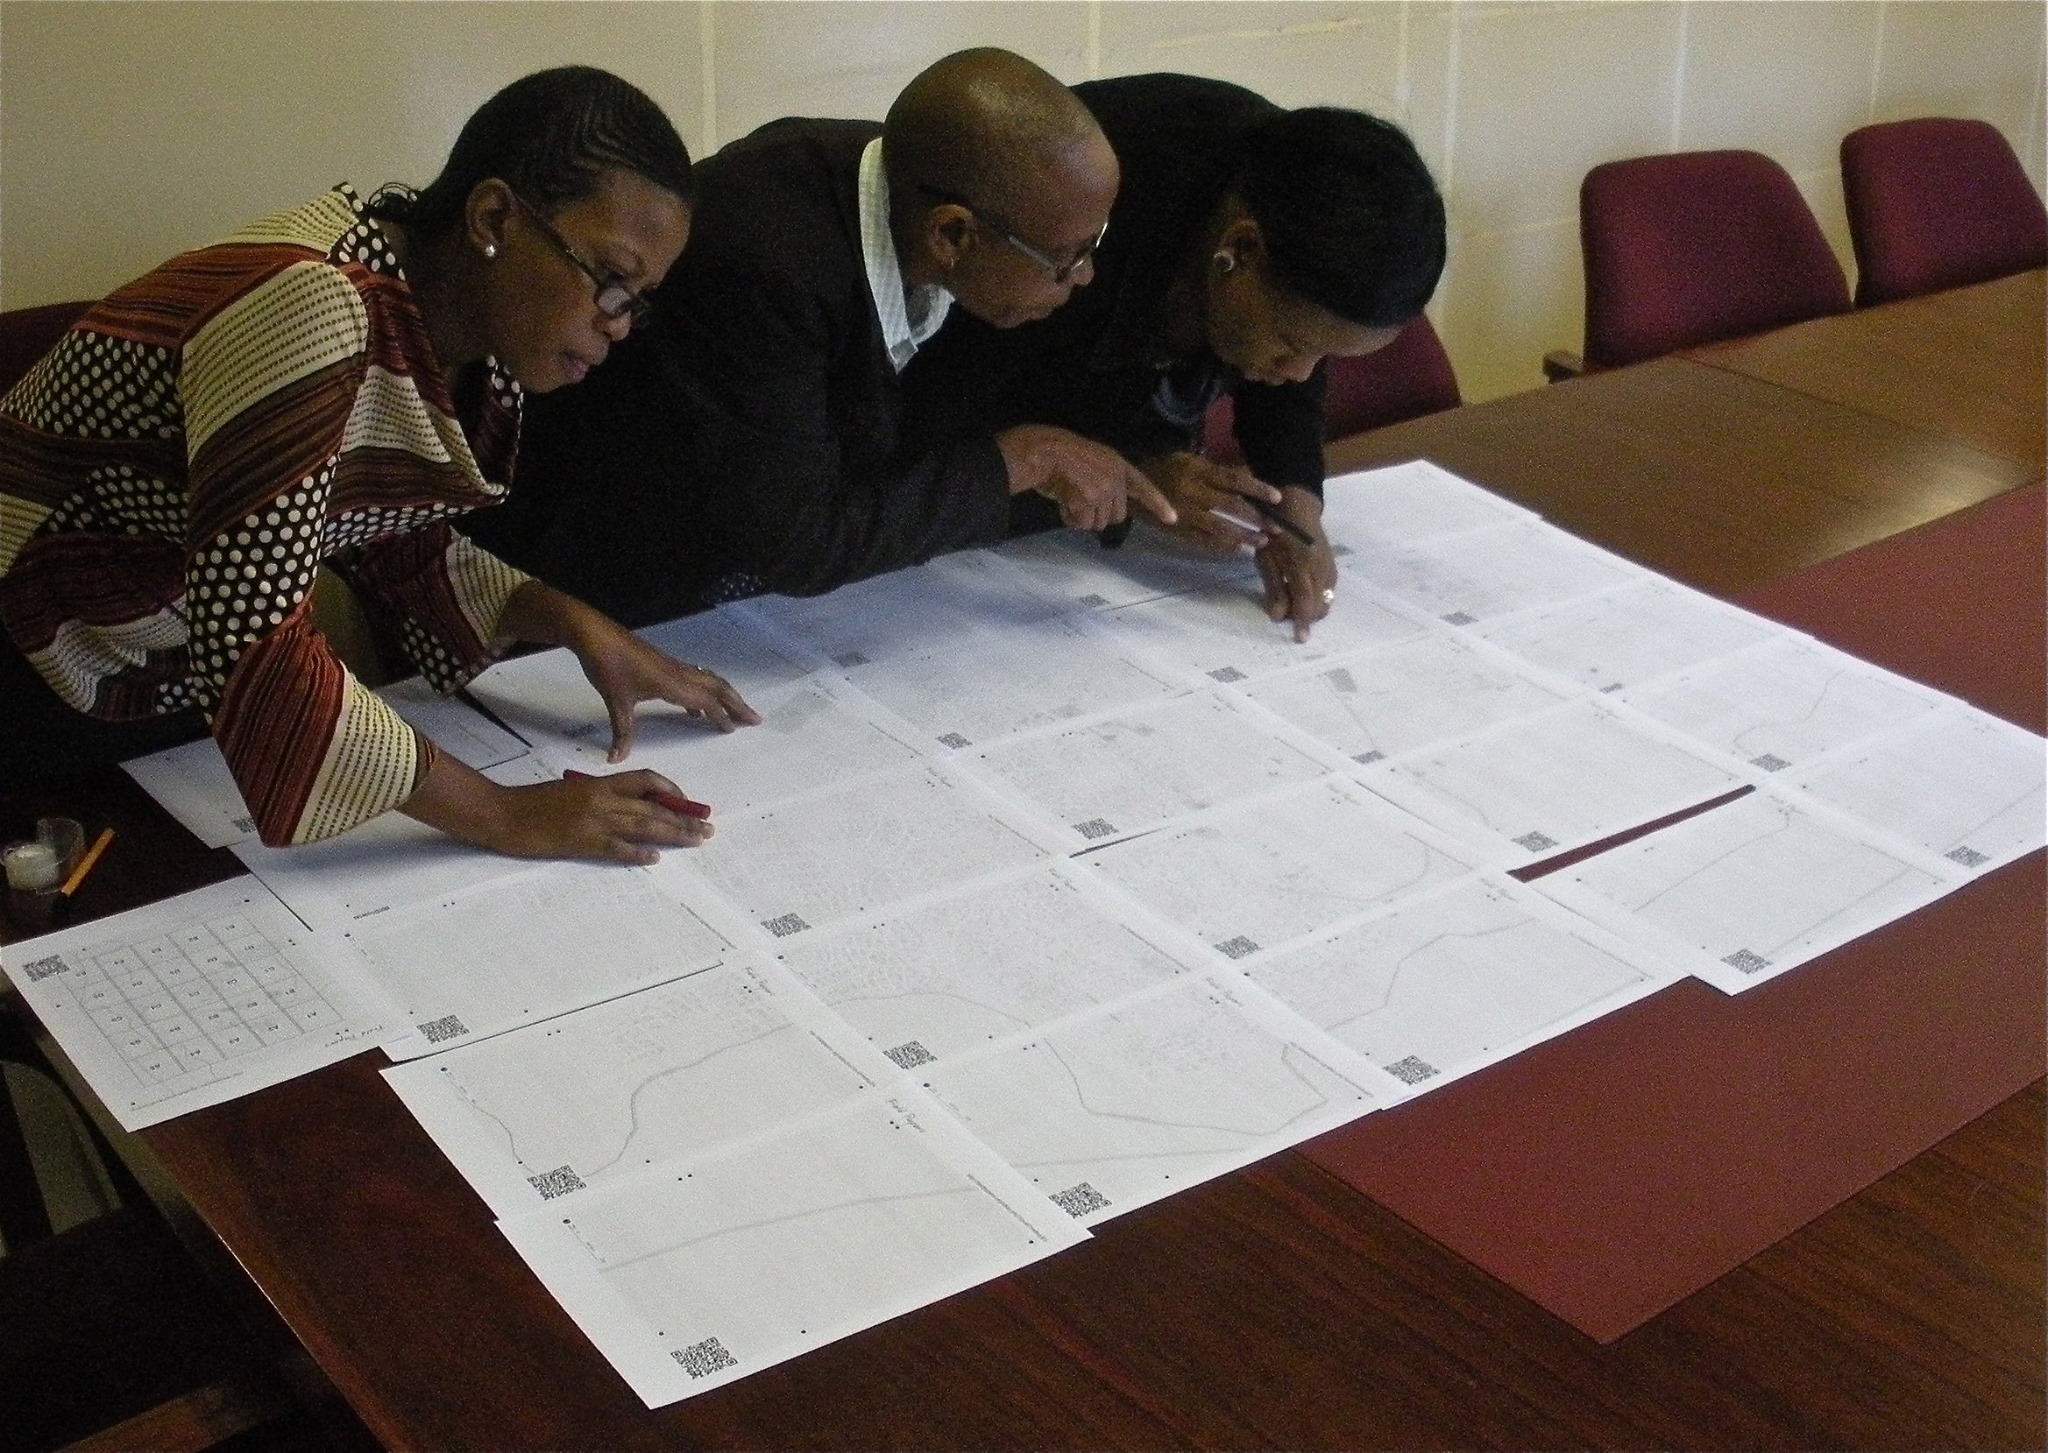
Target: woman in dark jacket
1247,244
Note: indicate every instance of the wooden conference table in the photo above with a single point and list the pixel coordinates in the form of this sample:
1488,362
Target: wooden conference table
1278,1307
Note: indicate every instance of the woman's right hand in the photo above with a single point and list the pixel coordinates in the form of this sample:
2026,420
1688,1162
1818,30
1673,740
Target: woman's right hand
614,818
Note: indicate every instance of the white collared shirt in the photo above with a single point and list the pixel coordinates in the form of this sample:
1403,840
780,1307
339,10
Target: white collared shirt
906,321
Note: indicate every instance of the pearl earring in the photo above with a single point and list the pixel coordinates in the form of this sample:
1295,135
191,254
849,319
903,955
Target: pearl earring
1225,263
491,251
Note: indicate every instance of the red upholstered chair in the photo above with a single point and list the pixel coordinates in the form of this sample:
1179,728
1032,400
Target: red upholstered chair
26,334
1410,377
1937,203
1693,247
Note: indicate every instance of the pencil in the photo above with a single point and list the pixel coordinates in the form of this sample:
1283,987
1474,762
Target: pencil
92,855
683,805
1273,515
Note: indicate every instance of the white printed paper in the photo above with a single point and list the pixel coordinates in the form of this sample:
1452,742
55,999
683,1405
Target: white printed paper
194,1000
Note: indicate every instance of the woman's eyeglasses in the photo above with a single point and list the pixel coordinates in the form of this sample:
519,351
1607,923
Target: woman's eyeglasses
614,299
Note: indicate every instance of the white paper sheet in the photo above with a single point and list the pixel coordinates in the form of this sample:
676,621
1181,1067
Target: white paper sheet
587,1101
1544,784
757,1253
984,685
1743,892
194,1000
1783,703
527,947
949,598
1266,872
994,961
1130,1104
1479,574
877,842
1073,571
193,784
1412,501
1623,637
1454,981
1119,775
1957,782
1434,688
1209,635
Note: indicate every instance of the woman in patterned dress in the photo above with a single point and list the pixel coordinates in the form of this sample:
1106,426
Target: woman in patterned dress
332,385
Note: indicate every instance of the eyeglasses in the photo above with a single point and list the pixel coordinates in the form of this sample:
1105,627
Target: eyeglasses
1061,271
614,299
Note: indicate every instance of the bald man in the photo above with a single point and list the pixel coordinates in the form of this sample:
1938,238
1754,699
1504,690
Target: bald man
753,438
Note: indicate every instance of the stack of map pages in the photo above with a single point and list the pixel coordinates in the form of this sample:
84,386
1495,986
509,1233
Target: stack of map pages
1056,880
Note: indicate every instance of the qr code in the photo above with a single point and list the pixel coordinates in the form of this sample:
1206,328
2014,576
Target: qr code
1535,842
1413,1070
1237,948
38,969
1459,618
1081,1201
1368,758
849,659
910,1056
784,926
557,1182
1769,762
953,739
446,1027
245,824
1746,961
1226,674
1968,857
705,1358
1096,827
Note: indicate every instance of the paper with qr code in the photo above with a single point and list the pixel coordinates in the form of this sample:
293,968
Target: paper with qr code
761,1251
194,1000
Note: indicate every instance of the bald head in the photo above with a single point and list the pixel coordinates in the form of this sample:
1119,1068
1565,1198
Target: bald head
1000,183
987,124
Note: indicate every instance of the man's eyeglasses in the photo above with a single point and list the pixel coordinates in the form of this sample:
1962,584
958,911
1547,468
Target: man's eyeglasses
1061,271
614,298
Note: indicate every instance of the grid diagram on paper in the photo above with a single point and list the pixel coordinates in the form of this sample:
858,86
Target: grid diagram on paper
185,1003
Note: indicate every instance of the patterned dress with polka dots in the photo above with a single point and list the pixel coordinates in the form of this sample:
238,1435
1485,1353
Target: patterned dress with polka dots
174,472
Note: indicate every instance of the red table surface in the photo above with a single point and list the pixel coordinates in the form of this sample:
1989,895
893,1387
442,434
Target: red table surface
1612,1172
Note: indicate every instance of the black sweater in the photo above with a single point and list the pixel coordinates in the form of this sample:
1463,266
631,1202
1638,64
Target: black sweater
753,439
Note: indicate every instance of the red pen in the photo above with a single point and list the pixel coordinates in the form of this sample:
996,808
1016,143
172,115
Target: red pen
699,810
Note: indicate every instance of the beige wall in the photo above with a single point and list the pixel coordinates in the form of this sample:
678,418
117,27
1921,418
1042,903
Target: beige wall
129,131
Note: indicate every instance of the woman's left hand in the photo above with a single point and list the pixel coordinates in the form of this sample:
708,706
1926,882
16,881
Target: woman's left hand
1301,580
625,669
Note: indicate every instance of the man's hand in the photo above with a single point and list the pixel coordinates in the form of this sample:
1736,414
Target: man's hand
1301,580
1092,484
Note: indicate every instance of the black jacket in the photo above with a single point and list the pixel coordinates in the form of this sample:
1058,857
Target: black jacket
752,439
1095,366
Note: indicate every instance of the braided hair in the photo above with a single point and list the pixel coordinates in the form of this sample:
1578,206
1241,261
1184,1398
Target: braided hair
1351,218
548,136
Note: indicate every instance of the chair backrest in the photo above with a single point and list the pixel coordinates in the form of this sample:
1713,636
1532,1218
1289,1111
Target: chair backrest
26,334
1693,247
1410,377
1937,203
